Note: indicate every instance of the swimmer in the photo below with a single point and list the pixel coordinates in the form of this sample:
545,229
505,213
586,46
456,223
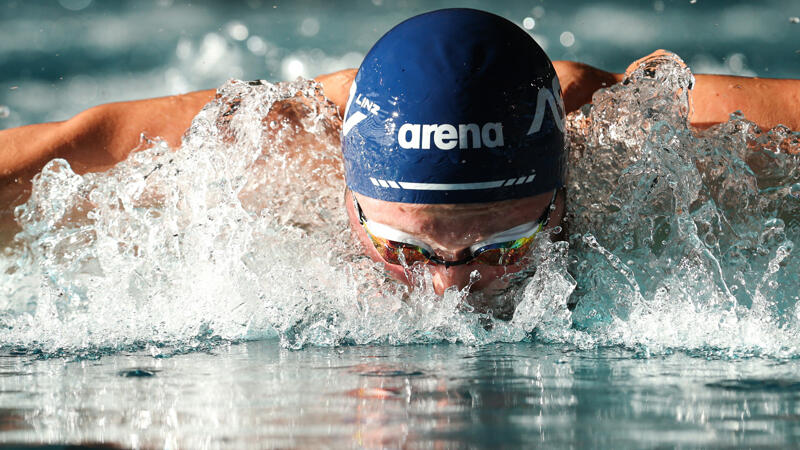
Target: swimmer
453,141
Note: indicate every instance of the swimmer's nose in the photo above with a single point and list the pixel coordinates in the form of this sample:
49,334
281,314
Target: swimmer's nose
445,277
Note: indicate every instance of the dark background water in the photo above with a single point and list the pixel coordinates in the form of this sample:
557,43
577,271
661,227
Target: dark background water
59,57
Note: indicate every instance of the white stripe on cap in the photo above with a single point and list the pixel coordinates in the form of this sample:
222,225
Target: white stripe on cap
451,186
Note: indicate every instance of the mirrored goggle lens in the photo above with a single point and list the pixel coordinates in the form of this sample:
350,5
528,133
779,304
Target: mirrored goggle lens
400,253
503,253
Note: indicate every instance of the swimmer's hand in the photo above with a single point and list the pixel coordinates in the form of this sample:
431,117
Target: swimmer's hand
768,102
651,60
336,86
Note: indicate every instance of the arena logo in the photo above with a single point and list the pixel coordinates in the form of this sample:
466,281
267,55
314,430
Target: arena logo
447,136
463,136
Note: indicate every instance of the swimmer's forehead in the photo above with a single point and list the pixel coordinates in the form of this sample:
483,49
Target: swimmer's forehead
443,208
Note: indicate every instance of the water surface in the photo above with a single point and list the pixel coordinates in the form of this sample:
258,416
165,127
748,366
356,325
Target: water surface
498,395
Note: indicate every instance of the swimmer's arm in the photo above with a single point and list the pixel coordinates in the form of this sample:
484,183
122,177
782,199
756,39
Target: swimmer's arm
93,140
104,135
766,101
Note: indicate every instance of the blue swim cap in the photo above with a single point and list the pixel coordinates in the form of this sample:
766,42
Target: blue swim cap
454,106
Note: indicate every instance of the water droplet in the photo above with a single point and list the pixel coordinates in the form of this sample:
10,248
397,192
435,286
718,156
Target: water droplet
184,48
567,39
237,31
528,23
309,27
257,45
4,111
293,68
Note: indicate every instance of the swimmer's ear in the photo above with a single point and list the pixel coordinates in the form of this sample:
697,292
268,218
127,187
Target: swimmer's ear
336,86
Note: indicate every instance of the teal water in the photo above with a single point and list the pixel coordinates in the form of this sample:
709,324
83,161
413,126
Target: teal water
209,296
61,57
500,395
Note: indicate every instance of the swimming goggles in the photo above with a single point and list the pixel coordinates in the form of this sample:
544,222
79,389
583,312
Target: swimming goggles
501,249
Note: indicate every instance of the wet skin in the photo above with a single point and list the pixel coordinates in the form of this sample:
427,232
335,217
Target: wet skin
450,230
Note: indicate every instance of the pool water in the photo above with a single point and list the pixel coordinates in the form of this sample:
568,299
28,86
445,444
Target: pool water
258,394
68,55
210,296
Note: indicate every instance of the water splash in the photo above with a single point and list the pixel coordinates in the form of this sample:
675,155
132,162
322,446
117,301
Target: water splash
682,238
679,239
239,234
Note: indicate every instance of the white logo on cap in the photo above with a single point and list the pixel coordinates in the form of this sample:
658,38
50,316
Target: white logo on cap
470,135
544,98
357,116
447,137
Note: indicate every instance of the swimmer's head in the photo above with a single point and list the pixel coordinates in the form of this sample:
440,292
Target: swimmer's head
451,112
454,106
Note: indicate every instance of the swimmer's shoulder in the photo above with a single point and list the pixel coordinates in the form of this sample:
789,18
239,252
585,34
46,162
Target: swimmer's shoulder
336,86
